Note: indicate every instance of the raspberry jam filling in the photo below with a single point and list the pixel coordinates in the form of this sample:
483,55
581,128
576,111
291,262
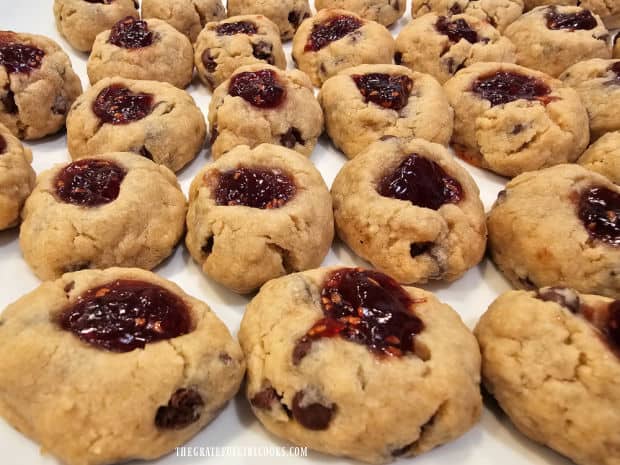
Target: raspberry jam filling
255,188
260,88
89,182
504,87
368,308
599,211
240,27
582,20
116,104
422,182
20,58
456,30
125,315
334,29
387,91
131,33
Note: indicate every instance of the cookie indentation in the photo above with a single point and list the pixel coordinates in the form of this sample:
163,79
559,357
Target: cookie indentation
335,29
240,27
131,33
89,182
125,315
581,20
365,307
422,182
504,87
183,409
260,88
312,415
599,211
255,188
20,58
117,104
456,30
387,91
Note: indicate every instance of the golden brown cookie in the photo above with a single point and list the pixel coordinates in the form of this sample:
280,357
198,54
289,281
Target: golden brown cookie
186,16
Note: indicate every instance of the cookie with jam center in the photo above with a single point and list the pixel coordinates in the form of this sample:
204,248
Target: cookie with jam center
385,12
109,366
338,356
551,358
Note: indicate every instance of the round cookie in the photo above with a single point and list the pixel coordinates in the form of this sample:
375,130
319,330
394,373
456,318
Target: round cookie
263,104
551,359
441,46
409,209
286,14
337,39
109,366
325,374
257,214
498,13
16,177
603,8
186,16
385,12
510,119
552,38
558,227
99,212
597,82
224,46
368,102
142,49
153,119
37,85
603,156
79,21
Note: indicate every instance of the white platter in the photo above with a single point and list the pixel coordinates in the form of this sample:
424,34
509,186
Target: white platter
491,442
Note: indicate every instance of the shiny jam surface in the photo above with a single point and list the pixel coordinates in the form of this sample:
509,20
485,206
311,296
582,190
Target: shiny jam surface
368,308
89,182
599,211
131,33
117,104
20,58
582,20
259,88
329,31
456,30
422,182
124,315
385,90
504,87
240,27
255,188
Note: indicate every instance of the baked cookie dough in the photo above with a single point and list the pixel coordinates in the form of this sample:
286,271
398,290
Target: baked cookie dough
603,8
263,104
337,39
224,46
142,49
597,82
552,38
498,13
550,358
365,103
109,366
286,14
79,21
115,209
510,119
153,119
37,85
186,16
257,214
616,45
16,177
409,209
385,12
441,45
558,227
398,378
603,156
